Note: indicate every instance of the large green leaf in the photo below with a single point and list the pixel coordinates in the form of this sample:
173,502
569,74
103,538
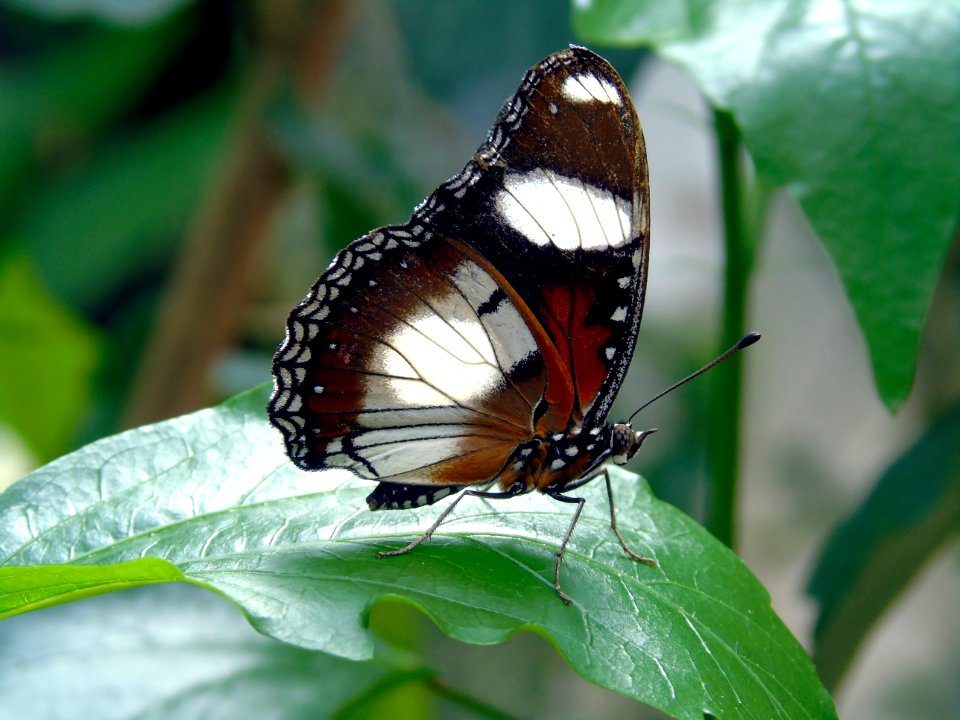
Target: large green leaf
213,494
176,652
854,107
23,589
872,556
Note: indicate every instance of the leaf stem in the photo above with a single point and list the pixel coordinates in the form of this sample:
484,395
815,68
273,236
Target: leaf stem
740,228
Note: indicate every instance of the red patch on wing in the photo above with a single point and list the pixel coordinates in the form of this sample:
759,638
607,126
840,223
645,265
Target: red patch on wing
580,345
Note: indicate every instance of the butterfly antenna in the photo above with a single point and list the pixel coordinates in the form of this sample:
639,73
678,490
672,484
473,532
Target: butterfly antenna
744,342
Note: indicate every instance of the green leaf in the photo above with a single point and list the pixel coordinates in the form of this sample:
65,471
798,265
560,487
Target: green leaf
23,589
176,652
214,494
873,554
47,357
854,108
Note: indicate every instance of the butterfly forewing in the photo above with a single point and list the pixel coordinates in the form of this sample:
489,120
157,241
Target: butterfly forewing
558,200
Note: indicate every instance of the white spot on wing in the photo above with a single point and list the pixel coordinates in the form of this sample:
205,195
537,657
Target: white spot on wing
445,354
396,458
590,88
403,416
546,207
387,361
288,427
394,451
503,331
456,336
450,368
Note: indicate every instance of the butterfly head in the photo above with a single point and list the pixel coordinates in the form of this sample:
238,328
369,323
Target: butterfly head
625,441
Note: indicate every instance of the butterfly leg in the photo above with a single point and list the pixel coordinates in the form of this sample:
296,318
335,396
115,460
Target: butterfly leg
513,491
563,543
576,516
616,531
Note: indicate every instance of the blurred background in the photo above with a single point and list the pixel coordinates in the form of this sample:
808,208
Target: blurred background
174,175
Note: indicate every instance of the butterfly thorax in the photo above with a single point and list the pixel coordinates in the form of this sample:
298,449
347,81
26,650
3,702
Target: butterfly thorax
564,461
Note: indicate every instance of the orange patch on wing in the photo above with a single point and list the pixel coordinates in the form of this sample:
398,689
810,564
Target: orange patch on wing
478,464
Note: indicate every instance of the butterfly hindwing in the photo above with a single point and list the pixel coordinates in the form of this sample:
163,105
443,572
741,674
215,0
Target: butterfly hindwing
409,361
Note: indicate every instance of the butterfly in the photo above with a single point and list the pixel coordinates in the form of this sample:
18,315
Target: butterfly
481,344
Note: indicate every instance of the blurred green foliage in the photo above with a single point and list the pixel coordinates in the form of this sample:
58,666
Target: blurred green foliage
106,150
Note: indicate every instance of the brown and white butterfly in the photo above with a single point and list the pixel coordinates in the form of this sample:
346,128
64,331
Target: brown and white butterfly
480,345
